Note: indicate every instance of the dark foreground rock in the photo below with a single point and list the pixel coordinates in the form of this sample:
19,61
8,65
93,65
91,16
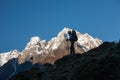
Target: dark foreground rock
102,63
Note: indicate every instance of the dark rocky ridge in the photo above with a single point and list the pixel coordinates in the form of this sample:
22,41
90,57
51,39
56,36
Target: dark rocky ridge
101,63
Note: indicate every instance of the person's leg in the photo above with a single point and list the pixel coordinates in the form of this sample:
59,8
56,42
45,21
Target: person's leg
71,48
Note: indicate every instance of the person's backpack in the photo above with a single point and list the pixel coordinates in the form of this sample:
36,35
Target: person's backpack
75,38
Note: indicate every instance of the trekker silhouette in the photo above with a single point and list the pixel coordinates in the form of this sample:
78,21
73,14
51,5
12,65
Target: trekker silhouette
72,38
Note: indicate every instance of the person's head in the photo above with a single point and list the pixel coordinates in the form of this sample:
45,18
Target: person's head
69,32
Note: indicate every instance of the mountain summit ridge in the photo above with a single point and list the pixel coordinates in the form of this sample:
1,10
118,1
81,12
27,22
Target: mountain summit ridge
56,46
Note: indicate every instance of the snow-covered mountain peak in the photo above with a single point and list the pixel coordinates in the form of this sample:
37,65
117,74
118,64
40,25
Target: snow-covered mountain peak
65,29
34,40
14,53
57,45
55,42
4,57
85,41
64,32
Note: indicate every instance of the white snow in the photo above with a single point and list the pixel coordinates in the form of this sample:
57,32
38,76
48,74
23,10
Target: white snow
88,41
34,40
84,40
5,57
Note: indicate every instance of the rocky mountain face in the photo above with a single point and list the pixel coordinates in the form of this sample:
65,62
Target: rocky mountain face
38,50
101,63
41,51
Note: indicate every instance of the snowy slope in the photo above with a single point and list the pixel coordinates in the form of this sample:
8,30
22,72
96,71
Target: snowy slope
5,57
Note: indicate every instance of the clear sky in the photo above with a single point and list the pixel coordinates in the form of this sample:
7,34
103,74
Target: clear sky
22,19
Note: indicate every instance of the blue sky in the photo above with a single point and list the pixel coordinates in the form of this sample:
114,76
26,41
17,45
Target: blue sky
22,19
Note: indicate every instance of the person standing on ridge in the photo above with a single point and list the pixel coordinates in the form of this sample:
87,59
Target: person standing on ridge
72,38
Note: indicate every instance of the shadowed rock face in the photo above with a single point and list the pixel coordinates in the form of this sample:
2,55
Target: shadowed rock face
101,63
